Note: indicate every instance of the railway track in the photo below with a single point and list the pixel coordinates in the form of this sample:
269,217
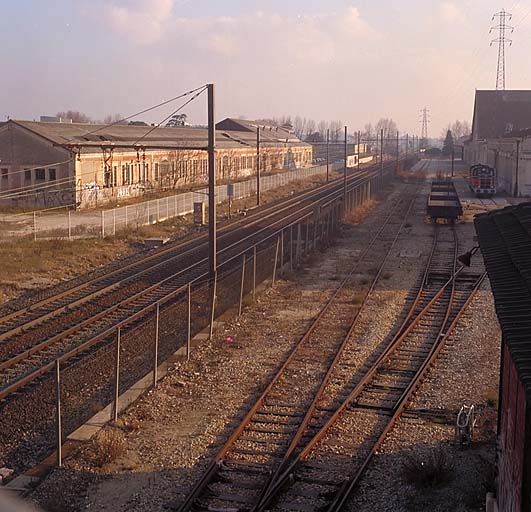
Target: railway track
326,470
20,320
42,333
271,432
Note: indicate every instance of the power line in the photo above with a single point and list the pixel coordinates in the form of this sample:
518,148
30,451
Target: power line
425,119
502,40
171,115
149,109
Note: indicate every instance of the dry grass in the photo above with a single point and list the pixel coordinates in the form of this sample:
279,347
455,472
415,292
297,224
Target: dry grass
27,264
359,214
106,447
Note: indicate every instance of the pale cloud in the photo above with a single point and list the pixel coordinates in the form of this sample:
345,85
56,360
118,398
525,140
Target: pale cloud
451,13
144,20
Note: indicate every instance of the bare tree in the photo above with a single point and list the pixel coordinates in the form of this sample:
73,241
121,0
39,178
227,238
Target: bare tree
321,128
75,115
310,128
114,119
299,126
460,129
336,129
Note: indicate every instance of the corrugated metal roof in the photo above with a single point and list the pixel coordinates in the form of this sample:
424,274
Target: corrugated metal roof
94,135
505,241
497,113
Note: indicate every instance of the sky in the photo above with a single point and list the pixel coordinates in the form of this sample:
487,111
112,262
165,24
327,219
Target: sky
354,61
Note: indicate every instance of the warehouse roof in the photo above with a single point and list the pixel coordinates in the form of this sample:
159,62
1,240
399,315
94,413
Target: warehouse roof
505,240
497,113
267,130
87,136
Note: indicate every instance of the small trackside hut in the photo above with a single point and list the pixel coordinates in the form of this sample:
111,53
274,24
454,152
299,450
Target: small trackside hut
505,241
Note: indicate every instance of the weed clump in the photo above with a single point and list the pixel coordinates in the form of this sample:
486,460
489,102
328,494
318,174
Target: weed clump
428,470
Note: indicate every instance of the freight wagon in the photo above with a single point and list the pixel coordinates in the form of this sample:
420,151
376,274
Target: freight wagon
443,202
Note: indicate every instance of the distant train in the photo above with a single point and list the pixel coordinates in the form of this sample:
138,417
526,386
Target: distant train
482,180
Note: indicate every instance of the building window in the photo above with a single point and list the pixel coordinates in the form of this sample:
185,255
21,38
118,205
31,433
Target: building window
156,172
52,175
27,175
115,175
4,173
40,175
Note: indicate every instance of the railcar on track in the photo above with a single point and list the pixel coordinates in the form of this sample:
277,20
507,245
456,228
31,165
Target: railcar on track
482,180
443,202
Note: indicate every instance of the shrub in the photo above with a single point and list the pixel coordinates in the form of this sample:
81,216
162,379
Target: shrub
106,447
428,470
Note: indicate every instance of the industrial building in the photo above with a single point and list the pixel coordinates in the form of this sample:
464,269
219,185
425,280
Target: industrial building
501,138
47,164
505,241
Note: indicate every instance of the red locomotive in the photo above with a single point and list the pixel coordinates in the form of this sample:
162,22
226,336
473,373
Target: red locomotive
482,180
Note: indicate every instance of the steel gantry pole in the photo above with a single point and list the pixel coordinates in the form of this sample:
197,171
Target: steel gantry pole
258,166
381,154
327,155
359,149
397,151
212,234
345,174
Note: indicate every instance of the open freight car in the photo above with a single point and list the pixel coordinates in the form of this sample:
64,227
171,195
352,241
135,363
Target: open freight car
443,202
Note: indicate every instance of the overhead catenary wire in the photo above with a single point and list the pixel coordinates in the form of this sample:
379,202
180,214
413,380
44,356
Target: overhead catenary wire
149,109
172,114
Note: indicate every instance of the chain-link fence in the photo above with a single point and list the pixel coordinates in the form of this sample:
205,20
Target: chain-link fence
71,224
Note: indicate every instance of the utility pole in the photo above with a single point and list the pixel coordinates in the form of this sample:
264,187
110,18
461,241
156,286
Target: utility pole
502,40
328,155
517,167
212,232
425,121
407,147
345,174
453,160
381,153
359,148
258,166
397,151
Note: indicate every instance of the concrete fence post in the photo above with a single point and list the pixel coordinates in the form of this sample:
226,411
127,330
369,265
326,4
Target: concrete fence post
242,286
69,226
156,347
114,222
58,422
103,223
275,264
189,333
117,375
34,226
254,273
213,305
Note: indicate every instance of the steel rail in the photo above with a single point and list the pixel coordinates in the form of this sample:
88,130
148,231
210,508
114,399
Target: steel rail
442,334
191,246
298,216
217,462
404,400
8,390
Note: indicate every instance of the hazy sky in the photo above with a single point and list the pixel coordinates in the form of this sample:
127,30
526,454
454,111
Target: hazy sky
336,59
